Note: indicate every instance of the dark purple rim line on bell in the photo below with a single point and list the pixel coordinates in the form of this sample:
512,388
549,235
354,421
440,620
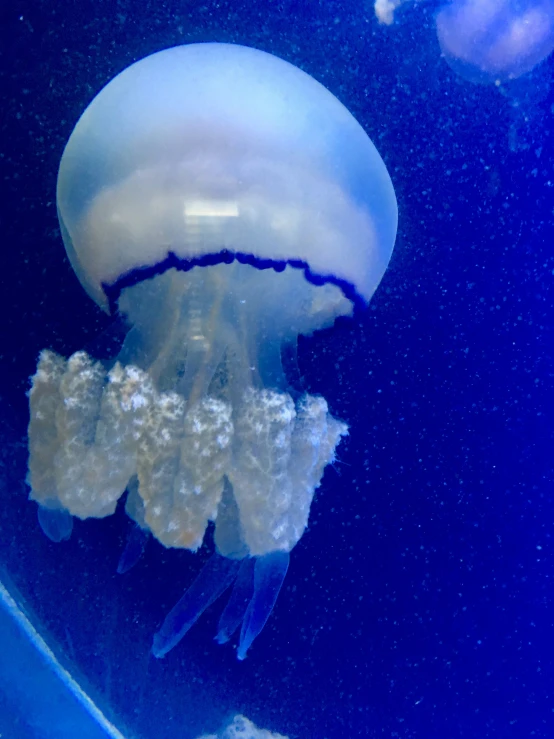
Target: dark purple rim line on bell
225,256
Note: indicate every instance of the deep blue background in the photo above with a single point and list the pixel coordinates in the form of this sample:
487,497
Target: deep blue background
419,603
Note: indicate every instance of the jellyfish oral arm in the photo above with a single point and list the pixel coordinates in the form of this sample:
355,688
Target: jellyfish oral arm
257,584
56,522
216,576
83,432
241,595
174,461
269,573
88,439
134,549
283,451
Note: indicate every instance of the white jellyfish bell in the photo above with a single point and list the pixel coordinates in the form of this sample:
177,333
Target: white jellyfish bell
224,202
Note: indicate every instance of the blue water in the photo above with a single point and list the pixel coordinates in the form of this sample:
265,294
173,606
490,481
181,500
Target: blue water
419,603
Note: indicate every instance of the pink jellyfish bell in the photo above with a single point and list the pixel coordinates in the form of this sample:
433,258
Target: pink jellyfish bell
225,202
488,41
495,40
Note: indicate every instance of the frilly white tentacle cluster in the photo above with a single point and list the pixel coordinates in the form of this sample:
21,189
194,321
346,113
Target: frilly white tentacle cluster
242,728
93,435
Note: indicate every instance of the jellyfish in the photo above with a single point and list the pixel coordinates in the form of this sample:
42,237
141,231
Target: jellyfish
384,10
489,41
223,202
240,726
495,40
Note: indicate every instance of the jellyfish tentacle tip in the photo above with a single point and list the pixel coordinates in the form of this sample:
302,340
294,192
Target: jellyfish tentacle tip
56,522
137,540
241,595
269,574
